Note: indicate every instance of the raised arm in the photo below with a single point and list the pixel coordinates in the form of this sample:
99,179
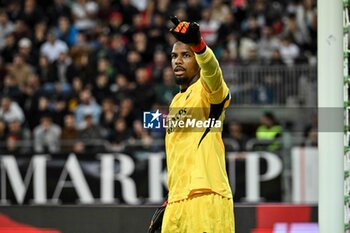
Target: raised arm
211,74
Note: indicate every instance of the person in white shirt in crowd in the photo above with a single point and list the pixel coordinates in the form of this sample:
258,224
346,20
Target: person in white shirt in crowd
209,26
84,14
10,110
289,51
53,47
47,136
267,44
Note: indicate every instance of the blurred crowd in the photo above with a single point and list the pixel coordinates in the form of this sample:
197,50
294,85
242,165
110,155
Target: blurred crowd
75,74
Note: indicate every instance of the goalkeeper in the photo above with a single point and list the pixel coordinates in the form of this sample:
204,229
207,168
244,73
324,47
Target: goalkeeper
200,198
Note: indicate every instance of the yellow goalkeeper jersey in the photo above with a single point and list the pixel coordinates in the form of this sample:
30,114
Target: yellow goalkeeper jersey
195,153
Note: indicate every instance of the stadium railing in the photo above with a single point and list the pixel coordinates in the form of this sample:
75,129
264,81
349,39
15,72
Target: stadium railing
273,85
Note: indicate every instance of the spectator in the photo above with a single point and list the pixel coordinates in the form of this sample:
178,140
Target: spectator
144,92
115,23
20,70
219,10
83,42
166,90
31,95
299,36
73,100
6,27
156,31
260,12
121,88
59,111
91,134
9,49
267,45
127,111
312,47
104,66
235,133
53,47
109,114
32,13
276,58
42,108
84,13
18,137
70,134
104,10
82,65
304,14
47,136
66,32
232,47
46,72
251,28
11,88
17,130
228,27
21,30
87,104
209,27
140,139
57,10
269,130
118,53
25,50
134,61
39,37
64,70
289,51
14,10
247,50
101,88
127,10
102,45
10,110
240,9
119,134
157,66
12,145
163,6
142,46
138,25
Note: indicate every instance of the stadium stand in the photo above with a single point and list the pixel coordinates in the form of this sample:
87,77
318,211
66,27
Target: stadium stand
99,64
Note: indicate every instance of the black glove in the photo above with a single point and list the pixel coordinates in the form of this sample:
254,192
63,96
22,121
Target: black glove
186,32
157,219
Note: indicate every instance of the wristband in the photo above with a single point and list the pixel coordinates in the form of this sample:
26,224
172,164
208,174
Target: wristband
200,47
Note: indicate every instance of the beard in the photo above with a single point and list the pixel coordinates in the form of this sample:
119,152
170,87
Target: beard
181,80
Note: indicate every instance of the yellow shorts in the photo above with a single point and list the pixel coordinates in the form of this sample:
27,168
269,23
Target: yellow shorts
200,213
